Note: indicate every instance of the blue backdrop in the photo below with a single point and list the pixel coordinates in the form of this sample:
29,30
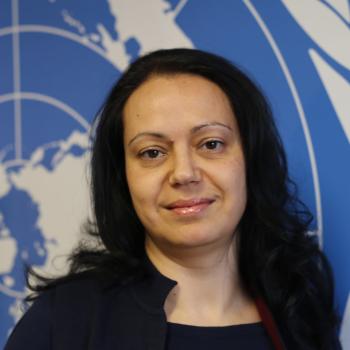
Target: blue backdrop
60,57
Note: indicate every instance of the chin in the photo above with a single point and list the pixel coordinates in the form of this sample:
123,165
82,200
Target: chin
190,239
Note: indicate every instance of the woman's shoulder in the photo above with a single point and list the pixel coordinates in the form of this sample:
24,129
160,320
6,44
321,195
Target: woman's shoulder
60,308
77,290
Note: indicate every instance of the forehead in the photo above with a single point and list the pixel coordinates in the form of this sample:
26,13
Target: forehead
176,101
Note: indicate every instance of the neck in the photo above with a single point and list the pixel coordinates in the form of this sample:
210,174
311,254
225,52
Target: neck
208,290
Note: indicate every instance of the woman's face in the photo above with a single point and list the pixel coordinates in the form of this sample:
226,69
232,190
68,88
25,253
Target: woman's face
184,161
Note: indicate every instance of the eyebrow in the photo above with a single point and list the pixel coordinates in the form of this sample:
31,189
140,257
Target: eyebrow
192,131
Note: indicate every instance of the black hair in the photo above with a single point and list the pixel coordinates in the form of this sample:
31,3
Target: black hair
278,260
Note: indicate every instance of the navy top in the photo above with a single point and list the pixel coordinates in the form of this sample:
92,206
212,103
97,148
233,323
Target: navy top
250,336
91,313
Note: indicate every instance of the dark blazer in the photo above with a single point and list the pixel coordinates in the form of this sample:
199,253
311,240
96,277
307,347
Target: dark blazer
87,314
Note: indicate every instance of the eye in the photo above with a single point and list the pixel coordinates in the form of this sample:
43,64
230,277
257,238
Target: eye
152,153
213,145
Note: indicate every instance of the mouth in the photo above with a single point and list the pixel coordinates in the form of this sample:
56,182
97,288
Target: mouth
190,207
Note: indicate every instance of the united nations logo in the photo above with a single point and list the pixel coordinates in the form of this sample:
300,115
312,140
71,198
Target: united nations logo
61,60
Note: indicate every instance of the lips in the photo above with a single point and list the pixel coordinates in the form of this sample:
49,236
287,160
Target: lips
190,207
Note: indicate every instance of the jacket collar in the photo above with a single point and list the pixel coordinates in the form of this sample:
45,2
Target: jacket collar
151,291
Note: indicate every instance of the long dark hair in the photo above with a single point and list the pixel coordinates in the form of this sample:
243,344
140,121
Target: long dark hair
278,260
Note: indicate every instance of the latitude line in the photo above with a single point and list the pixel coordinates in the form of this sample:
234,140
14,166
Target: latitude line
49,100
34,28
16,80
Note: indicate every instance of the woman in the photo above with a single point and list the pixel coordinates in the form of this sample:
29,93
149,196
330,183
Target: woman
203,242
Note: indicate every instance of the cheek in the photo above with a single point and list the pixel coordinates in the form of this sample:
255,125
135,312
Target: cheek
144,195
143,186
235,183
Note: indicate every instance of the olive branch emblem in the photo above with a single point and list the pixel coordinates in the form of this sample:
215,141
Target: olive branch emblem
327,23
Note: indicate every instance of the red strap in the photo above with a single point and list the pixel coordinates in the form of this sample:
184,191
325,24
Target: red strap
269,324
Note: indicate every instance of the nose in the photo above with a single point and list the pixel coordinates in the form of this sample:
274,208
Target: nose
184,170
